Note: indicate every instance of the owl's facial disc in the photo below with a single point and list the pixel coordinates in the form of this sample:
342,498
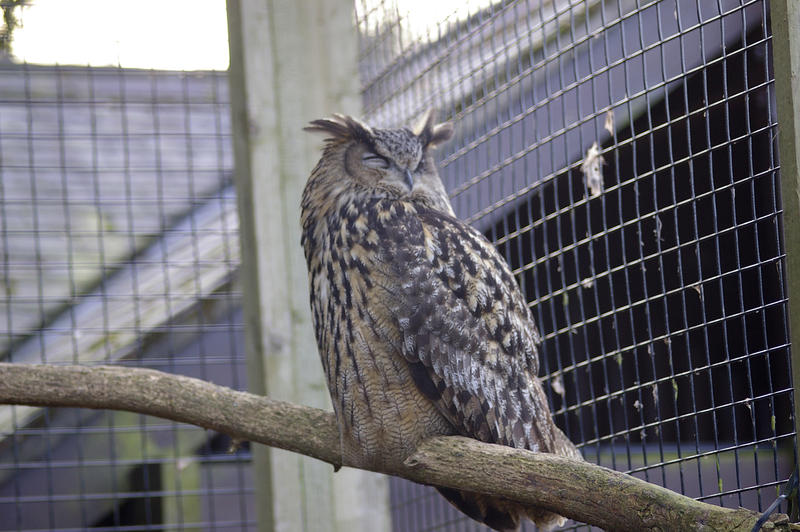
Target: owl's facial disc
403,149
397,177
387,169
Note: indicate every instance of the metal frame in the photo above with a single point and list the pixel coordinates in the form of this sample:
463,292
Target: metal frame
785,17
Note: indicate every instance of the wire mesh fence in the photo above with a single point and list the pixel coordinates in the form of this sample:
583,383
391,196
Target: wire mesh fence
622,156
118,231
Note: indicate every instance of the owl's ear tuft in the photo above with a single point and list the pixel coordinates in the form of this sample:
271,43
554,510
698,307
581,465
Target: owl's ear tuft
341,128
441,134
432,134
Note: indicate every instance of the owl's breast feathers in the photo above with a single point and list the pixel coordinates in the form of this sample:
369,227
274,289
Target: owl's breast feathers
398,280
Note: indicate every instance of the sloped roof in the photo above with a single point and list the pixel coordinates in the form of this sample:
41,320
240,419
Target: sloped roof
117,210
94,165
518,99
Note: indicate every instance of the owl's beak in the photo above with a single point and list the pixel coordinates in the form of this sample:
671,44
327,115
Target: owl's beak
409,179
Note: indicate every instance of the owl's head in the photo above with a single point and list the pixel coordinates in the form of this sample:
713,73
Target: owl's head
389,162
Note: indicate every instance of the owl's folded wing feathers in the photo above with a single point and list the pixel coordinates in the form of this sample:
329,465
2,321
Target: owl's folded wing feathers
467,332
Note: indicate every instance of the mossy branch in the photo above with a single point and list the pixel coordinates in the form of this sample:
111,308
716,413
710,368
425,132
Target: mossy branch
579,490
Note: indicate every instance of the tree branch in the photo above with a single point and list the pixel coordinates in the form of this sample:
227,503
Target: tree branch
579,490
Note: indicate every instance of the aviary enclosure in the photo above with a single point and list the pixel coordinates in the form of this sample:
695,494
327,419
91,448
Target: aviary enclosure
623,155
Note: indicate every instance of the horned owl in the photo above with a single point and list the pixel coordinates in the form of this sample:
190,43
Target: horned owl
420,324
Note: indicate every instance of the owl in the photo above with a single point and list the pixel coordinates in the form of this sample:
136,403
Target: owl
421,327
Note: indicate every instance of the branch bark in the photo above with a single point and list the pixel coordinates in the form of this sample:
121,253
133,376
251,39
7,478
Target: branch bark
579,490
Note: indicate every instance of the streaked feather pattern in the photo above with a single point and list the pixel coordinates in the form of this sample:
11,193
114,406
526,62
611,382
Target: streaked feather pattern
421,327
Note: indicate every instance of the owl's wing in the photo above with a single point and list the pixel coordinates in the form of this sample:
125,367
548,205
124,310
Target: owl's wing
466,330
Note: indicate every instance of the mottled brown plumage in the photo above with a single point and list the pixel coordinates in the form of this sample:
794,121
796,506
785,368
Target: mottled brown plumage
420,325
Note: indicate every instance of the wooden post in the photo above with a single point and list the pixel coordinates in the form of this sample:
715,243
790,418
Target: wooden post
291,62
785,18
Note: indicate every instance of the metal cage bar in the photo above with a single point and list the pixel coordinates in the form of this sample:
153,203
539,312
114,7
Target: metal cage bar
118,232
658,282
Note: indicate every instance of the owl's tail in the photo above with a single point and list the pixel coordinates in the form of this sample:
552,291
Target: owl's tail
500,514
504,515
